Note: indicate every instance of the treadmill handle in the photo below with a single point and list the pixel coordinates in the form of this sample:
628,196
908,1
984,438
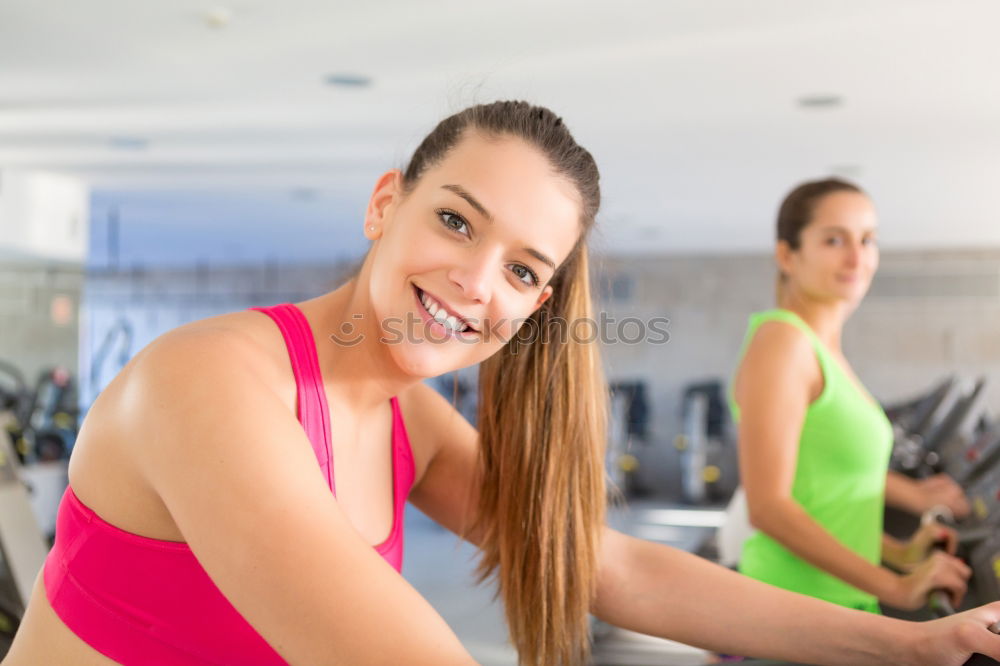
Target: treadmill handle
940,604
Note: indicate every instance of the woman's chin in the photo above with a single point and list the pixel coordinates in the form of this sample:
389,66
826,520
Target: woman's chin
418,362
853,297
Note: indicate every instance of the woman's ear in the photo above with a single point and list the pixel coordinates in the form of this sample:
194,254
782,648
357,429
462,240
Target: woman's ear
544,296
388,188
783,256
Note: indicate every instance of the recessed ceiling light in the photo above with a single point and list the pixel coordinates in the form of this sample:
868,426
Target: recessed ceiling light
820,101
128,143
345,80
218,17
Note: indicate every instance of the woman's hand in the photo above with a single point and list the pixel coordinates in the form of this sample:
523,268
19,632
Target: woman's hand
942,490
916,549
952,640
940,571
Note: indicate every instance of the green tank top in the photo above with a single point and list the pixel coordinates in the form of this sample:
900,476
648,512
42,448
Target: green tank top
839,480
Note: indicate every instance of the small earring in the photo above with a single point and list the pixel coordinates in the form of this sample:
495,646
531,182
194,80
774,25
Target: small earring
371,227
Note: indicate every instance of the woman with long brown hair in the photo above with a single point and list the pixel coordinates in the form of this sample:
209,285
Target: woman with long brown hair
197,529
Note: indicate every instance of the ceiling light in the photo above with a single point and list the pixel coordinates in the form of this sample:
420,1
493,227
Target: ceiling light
820,101
346,80
218,18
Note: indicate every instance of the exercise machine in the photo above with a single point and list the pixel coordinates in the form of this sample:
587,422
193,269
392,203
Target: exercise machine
706,446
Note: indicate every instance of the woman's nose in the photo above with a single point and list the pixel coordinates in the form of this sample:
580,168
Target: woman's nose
853,254
474,280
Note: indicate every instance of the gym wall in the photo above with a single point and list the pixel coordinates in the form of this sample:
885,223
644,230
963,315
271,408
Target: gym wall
124,310
39,310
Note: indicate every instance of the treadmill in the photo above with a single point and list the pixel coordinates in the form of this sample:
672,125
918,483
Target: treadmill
912,426
952,435
964,465
956,431
984,498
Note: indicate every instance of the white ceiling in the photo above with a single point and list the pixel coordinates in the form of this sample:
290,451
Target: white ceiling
690,106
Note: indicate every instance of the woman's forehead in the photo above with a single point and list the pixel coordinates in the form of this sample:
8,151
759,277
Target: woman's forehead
513,185
845,210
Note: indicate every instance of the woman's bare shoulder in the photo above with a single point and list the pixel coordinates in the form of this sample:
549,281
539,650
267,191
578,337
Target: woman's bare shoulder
224,367
246,342
246,336
778,367
779,349
225,362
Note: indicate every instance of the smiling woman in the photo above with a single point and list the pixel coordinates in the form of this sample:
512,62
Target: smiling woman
236,491
482,248
814,445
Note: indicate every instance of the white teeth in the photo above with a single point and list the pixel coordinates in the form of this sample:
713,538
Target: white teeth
448,322
441,316
429,304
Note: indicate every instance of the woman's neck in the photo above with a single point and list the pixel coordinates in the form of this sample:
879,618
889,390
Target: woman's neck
825,318
358,370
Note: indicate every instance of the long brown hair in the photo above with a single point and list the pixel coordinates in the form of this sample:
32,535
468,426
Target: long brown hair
796,212
542,415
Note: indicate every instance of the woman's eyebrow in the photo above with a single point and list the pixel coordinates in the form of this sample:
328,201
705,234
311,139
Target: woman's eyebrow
844,230
462,192
541,257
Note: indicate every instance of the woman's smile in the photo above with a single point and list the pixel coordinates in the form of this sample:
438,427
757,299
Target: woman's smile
443,320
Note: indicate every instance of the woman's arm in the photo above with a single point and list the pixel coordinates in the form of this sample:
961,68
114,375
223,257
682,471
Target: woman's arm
239,477
777,379
665,592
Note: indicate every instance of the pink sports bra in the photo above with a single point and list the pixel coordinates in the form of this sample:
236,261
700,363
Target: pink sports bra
146,601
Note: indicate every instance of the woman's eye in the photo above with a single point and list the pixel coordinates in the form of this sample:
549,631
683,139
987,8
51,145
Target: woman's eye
833,241
870,241
525,274
453,221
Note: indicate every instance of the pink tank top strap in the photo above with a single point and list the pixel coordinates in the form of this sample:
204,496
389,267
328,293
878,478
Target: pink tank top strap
314,414
403,467
312,408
